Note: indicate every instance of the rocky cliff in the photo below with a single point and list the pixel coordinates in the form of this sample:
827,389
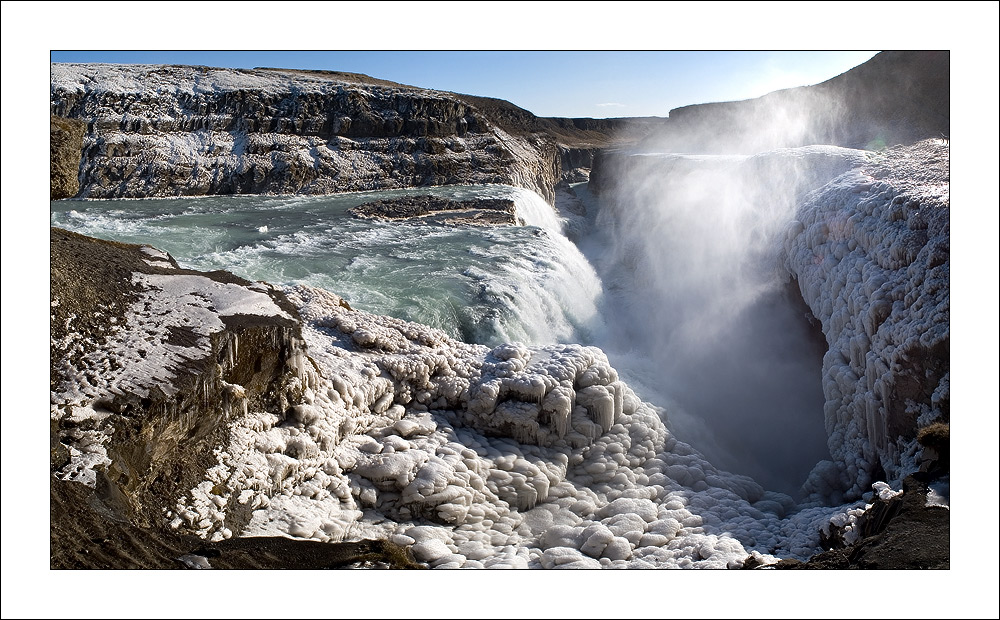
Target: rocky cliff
148,363
172,130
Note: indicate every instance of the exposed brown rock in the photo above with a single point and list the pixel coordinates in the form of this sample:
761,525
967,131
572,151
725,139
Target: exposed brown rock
65,146
916,537
160,445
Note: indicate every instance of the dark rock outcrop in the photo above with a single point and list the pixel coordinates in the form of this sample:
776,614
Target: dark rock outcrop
276,552
905,532
65,148
435,210
85,534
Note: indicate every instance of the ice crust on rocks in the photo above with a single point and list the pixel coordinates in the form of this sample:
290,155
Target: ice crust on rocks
167,327
870,251
540,456
509,457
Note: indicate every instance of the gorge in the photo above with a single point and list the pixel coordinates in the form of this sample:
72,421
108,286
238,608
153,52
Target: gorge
564,393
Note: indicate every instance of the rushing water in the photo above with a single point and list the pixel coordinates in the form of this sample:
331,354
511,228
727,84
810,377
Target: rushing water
480,284
737,403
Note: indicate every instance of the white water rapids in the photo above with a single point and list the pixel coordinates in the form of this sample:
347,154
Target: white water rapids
679,276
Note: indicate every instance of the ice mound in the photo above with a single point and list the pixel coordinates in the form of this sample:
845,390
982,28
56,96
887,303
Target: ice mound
510,457
871,252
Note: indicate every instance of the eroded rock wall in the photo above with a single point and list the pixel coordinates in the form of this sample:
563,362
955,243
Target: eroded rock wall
149,364
871,253
65,151
155,130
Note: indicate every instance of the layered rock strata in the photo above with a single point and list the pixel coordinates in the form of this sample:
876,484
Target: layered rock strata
155,130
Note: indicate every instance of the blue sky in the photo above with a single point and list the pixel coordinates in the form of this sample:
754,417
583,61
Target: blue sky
548,83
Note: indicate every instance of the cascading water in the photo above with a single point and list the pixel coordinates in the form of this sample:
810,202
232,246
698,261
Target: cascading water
699,314
690,304
486,285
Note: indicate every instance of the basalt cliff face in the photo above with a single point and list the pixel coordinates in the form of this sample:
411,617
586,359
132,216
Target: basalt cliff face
154,130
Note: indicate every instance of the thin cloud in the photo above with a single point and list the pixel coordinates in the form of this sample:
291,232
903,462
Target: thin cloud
617,105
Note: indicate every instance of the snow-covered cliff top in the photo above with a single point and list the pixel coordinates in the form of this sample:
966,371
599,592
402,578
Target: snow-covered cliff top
154,80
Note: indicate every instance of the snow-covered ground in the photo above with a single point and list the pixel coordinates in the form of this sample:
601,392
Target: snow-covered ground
505,458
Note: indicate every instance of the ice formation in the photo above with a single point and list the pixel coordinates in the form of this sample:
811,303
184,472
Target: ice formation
870,251
507,457
709,240
539,456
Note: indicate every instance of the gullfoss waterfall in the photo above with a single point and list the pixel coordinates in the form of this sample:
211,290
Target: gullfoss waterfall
688,248
486,433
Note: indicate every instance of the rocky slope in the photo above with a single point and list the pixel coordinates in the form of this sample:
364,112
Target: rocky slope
897,97
173,130
166,354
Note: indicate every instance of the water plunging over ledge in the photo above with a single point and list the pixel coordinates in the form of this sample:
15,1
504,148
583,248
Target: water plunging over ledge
486,285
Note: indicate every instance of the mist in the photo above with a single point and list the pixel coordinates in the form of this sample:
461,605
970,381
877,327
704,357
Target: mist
702,316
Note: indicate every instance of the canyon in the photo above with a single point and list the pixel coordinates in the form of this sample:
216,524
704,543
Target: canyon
194,407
